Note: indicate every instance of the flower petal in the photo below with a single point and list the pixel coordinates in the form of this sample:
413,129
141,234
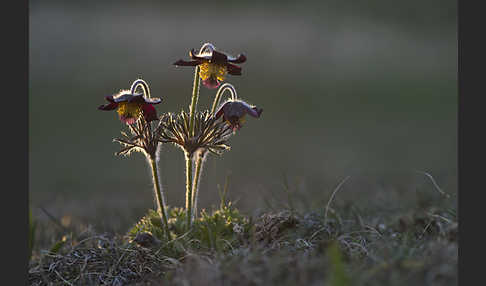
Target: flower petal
153,100
136,98
199,57
241,58
122,96
108,106
187,63
149,112
219,112
252,110
218,57
109,98
255,111
211,82
127,120
233,69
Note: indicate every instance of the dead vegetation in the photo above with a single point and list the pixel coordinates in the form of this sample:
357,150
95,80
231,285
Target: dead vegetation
348,247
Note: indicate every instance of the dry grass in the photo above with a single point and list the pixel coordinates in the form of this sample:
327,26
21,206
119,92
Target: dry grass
289,247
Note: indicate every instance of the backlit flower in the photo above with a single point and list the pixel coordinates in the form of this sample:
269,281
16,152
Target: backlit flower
214,65
234,111
130,106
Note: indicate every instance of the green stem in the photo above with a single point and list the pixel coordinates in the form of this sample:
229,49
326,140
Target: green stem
195,97
197,176
201,156
192,113
219,93
158,195
188,189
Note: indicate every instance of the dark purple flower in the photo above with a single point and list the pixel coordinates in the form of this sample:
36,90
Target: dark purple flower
234,111
214,65
130,106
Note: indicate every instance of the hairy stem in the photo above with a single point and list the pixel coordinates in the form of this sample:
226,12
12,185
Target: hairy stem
219,93
202,154
195,97
140,83
158,195
188,189
197,176
193,107
192,113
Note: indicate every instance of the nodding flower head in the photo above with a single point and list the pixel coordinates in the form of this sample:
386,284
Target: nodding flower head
131,105
213,64
234,111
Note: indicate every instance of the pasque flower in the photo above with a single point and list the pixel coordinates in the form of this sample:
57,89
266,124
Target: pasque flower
234,111
131,105
143,138
214,65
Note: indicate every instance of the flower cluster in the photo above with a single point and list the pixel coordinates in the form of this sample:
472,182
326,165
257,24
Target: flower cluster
196,132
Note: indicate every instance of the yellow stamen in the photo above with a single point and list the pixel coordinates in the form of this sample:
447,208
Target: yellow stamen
129,109
236,120
210,69
242,119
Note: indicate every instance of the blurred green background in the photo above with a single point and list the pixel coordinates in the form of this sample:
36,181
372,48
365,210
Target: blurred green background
366,89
